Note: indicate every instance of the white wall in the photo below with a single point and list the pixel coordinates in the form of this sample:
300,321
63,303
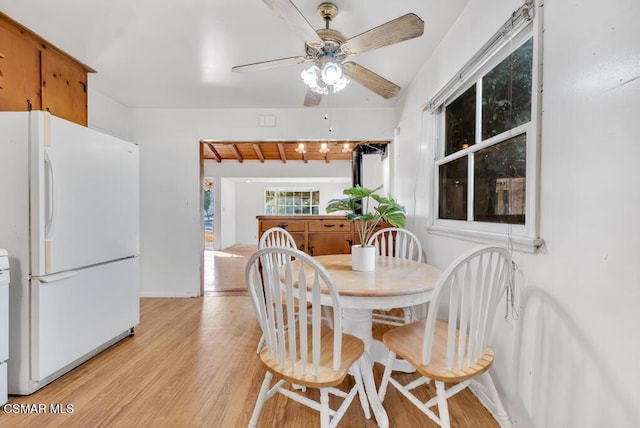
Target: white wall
375,172
171,230
573,357
108,115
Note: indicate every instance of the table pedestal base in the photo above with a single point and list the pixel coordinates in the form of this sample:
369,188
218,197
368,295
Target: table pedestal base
357,322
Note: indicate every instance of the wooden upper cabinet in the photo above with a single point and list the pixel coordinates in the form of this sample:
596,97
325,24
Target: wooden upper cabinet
64,87
38,75
20,69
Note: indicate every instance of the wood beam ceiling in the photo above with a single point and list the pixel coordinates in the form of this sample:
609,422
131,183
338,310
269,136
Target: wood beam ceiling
283,151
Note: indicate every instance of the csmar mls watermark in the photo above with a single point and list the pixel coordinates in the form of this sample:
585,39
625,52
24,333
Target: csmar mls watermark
39,408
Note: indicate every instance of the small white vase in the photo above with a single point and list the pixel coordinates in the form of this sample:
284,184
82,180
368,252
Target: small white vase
363,259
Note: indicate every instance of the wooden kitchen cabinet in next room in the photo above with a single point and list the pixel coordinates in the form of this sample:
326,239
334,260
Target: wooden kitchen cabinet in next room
316,235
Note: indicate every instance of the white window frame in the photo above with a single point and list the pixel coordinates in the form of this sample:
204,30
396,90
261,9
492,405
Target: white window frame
277,190
511,36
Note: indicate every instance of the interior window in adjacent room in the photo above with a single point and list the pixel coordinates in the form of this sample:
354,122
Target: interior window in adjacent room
291,201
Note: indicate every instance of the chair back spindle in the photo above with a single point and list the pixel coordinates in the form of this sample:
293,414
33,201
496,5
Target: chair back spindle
473,285
397,242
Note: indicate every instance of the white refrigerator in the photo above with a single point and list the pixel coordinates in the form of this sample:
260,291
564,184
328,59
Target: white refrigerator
69,219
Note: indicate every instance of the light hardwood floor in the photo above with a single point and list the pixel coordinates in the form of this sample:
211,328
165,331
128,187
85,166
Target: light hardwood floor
191,363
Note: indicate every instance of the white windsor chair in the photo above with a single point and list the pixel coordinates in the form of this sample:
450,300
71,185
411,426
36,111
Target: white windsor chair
296,351
455,351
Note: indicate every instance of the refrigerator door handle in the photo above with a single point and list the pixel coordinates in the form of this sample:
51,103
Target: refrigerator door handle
56,276
49,192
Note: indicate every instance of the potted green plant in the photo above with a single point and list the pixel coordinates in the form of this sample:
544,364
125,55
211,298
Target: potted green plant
359,207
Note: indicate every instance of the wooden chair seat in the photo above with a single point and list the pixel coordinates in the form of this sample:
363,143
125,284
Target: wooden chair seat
352,349
406,342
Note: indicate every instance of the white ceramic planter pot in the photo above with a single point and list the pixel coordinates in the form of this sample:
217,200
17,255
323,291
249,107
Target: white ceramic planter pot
363,259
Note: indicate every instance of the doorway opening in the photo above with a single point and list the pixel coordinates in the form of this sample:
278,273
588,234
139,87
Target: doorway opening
208,218
208,206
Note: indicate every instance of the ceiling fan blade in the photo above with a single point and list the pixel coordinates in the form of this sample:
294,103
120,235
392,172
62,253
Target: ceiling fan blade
371,80
312,99
266,65
290,13
406,27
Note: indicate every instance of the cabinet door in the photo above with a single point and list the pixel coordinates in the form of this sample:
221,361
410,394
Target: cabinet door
299,238
19,71
329,243
64,88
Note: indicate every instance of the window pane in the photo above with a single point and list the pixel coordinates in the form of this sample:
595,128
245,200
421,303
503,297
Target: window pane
506,92
453,190
460,122
291,202
499,182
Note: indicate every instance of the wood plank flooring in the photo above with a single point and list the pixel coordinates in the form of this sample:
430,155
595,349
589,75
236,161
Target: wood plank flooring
191,363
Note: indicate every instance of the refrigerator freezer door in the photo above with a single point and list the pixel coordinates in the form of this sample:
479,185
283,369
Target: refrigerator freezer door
85,196
75,313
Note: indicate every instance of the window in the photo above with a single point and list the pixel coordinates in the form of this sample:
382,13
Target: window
486,163
291,201
494,157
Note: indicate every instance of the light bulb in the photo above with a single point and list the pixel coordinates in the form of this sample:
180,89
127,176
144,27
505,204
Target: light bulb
340,84
324,148
310,76
331,73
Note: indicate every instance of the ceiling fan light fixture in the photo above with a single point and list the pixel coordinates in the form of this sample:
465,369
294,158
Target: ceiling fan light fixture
319,80
331,73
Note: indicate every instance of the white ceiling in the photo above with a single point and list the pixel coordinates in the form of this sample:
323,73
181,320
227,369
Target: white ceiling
179,54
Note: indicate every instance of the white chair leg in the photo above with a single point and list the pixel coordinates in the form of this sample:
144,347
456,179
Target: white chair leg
443,409
260,344
369,385
387,374
364,402
262,397
501,413
324,408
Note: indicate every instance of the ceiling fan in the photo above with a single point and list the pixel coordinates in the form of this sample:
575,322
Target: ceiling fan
328,49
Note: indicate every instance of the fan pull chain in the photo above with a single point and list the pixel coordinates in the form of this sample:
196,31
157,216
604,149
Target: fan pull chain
327,115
